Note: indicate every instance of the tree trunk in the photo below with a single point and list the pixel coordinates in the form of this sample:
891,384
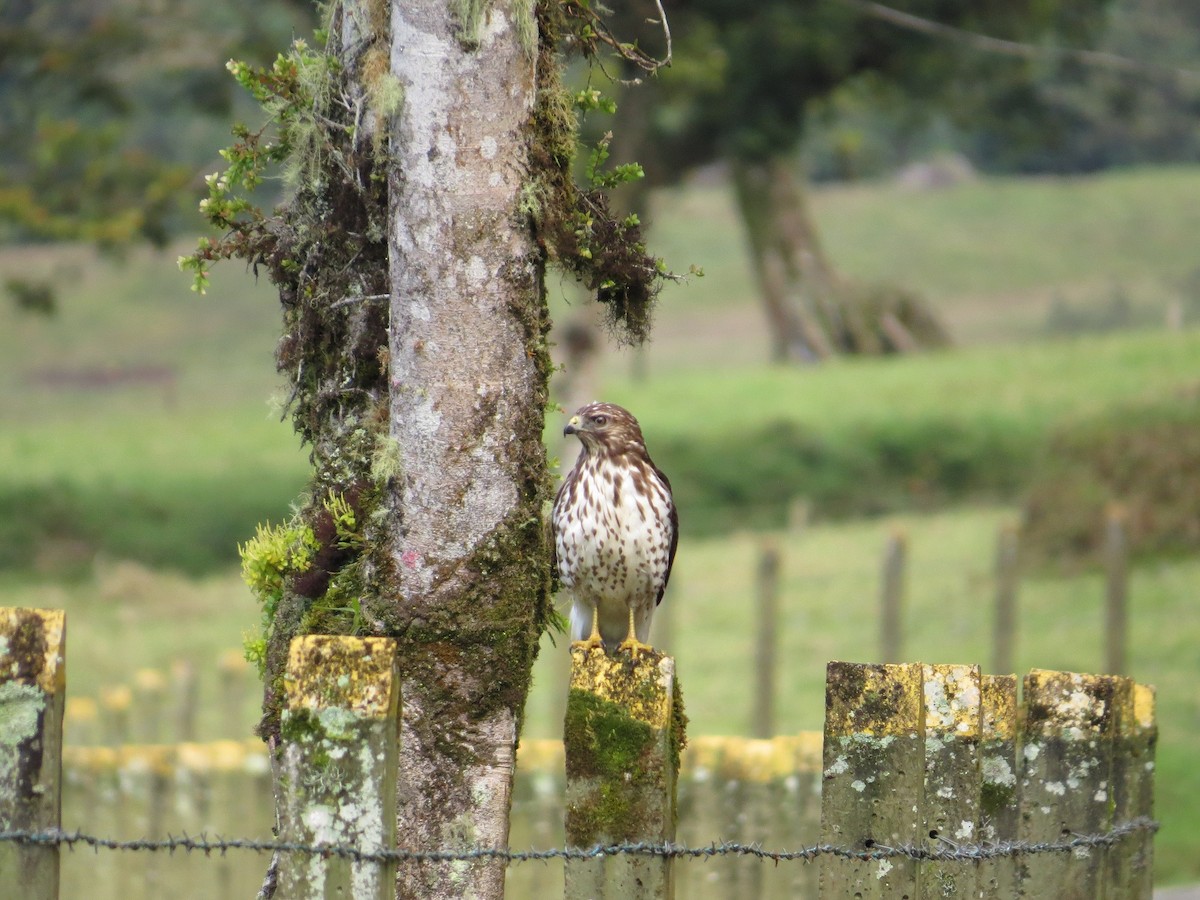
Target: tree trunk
812,312
468,372
794,278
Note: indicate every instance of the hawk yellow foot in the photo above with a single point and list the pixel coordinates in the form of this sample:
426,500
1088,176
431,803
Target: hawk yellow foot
634,647
593,641
631,644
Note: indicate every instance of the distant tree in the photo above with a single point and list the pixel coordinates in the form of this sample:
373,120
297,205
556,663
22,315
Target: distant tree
1070,116
109,109
746,79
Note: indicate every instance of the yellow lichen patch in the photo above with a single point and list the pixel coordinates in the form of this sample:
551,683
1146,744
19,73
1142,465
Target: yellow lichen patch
1143,707
40,632
540,755
703,754
876,700
355,674
89,759
807,746
168,759
640,685
750,759
952,700
80,711
999,698
156,758
116,699
149,681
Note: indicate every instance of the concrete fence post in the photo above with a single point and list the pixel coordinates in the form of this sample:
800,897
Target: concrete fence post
622,738
1131,862
1069,727
766,641
999,809
950,809
340,730
32,697
873,777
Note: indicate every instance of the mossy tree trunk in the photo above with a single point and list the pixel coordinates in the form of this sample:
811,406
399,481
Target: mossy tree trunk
812,312
467,388
414,338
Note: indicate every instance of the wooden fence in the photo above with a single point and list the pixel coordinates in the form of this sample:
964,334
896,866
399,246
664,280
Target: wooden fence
929,781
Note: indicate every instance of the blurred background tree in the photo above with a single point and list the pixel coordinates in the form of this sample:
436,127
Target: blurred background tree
111,111
751,87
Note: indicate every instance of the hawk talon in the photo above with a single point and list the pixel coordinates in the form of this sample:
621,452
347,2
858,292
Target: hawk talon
634,647
631,644
593,642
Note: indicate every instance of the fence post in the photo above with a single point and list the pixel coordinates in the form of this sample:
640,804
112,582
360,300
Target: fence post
622,738
764,657
340,728
873,777
1005,627
1116,561
1131,870
950,810
891,627
998,807
32,696
1066,778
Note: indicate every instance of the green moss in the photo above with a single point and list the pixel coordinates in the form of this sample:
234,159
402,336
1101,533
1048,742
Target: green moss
612,754
573,224
470,16
994,798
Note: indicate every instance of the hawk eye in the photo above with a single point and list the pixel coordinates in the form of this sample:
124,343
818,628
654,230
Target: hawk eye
600,420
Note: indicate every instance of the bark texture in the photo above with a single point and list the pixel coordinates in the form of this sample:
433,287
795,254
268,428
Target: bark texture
467,392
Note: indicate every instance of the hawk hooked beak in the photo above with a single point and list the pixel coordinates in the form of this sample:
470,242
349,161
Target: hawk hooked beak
572,426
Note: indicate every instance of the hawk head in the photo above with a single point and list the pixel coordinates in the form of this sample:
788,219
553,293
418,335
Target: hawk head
607,429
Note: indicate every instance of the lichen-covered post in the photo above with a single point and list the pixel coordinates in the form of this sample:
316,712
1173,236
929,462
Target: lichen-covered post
998,807
1131,871
622,739
1066,778
32,696
953,726
873,776
340,730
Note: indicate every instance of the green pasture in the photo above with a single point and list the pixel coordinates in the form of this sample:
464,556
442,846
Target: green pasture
122,499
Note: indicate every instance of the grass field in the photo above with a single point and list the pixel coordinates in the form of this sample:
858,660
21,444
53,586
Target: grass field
122,501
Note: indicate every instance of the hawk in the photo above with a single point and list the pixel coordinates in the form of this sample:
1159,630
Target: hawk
615,531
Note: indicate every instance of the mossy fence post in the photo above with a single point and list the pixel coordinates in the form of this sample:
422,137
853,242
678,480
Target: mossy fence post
766,640
32,697
932,757
340,729
622,738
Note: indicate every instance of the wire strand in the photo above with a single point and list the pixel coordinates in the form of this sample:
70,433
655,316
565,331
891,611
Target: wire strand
667,850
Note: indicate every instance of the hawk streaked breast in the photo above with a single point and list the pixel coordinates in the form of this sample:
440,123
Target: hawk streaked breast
615,531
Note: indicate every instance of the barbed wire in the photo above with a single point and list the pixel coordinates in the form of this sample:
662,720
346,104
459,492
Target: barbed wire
952,852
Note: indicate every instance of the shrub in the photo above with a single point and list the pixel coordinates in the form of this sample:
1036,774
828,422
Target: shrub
1143,455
